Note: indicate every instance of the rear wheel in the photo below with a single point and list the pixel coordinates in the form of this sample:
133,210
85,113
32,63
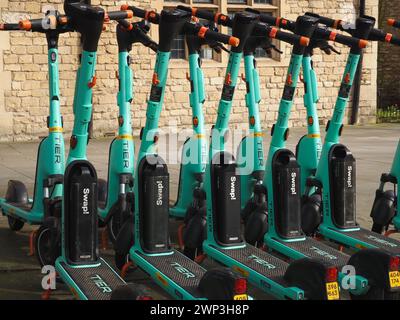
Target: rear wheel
15,224
46,250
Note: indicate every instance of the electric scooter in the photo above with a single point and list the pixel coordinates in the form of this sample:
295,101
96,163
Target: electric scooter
334,183
284,223
222,186
46,201
194,151
116,198
181,277
385,207
87,275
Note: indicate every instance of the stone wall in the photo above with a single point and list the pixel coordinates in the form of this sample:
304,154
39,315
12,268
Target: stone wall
388,59
23,86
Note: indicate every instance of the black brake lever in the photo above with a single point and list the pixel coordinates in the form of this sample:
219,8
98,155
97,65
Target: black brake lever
270,47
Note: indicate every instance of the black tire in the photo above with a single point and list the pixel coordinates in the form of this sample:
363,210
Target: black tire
378,228
43,247
121,260
375,293
15,224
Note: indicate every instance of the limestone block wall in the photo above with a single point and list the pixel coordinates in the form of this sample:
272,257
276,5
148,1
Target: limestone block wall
24,83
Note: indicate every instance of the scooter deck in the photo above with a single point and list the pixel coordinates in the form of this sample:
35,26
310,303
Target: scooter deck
177,268
366,238
91,283
265,264
309,248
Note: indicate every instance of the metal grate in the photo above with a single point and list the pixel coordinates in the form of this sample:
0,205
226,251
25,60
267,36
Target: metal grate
85,279
314,249
177,268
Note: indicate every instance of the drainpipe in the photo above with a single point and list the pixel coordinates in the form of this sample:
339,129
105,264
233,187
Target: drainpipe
357,80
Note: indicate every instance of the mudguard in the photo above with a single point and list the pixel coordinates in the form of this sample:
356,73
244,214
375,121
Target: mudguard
102,190
309,275
218,284
383,209
16,192
374,265
249,208
125,238
256,225
311,213
195,228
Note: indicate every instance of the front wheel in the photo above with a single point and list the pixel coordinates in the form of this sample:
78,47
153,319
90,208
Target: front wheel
47,250
15,224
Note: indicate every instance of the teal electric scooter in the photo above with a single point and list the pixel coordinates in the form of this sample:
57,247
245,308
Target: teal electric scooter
87,275
222,186
385,210
282,180
46,202
178,275
194,151
116,198
334,181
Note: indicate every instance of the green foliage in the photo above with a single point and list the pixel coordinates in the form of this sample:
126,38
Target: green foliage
388,114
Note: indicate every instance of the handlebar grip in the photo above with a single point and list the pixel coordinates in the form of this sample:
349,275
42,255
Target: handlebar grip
208,34
394,23
148,15
118,15
9,26
291,38
38,24
392,39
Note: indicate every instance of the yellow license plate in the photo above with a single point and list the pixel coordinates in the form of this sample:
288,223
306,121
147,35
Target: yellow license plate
241,297
332,290
394,278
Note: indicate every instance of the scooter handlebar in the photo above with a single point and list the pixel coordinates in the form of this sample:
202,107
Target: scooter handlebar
148,15
118,15
207,34
291,38
9,26
326,34
394,23
331,23
218,18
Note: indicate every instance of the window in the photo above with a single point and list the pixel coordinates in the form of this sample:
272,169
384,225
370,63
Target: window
179,50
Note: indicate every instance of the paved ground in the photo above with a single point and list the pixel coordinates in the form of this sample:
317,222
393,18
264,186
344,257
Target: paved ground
20,276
